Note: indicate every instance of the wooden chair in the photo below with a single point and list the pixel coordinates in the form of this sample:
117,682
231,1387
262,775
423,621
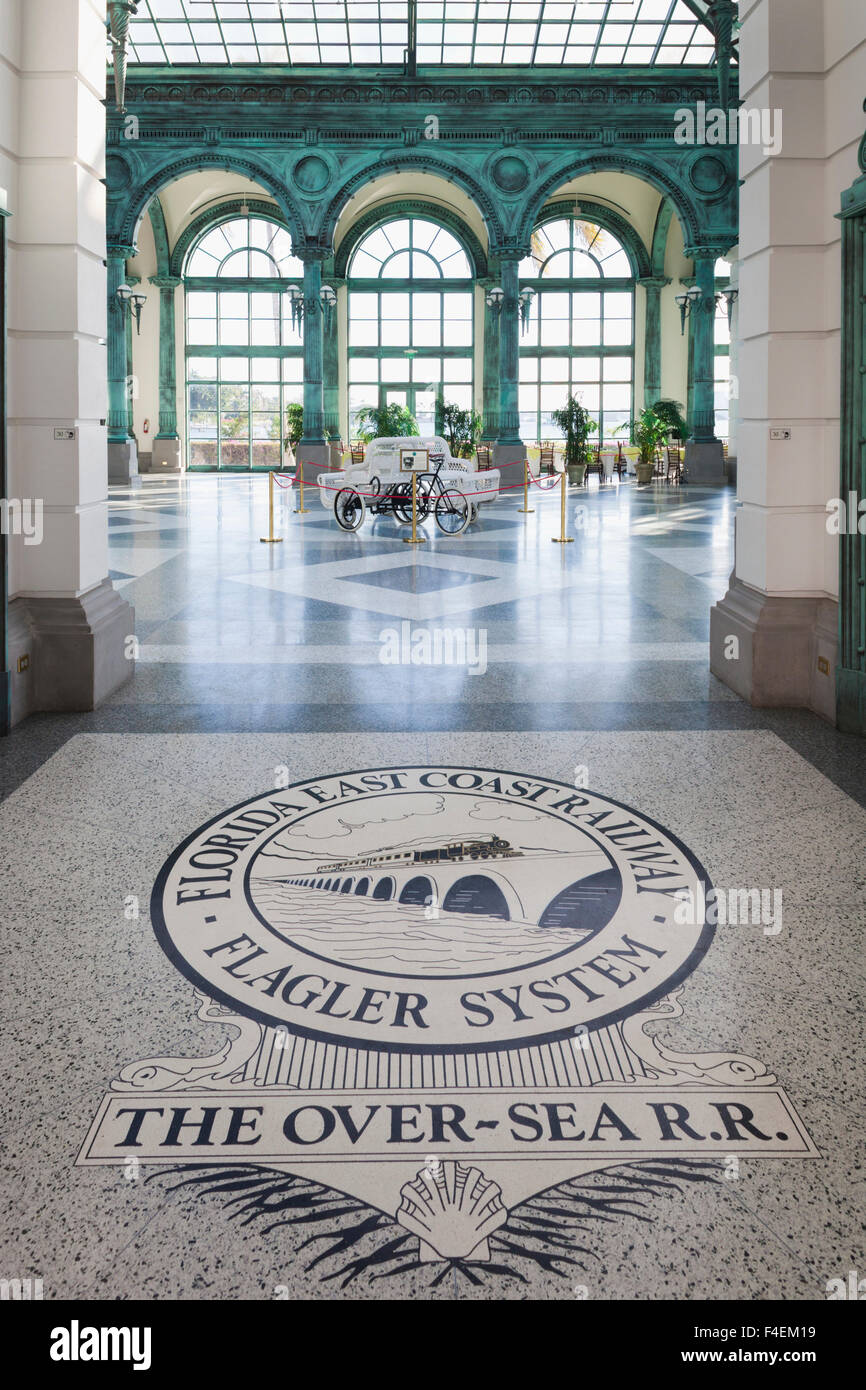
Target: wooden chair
594,465
357,450
483,457
659,470
547,460
620,466
674,469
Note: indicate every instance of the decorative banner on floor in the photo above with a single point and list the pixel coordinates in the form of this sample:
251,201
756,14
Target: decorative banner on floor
438,983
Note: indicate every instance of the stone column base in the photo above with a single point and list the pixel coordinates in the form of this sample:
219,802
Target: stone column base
77,649
850,701
312,459
166,456
704,463
509,459
22,647
785,648
123,462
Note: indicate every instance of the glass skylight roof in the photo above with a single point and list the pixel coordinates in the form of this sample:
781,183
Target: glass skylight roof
522,33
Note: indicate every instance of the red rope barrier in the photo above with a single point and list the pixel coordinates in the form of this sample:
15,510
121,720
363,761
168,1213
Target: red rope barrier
402,496
545,487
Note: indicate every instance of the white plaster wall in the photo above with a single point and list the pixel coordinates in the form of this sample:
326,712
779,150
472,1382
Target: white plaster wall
52,139
806,58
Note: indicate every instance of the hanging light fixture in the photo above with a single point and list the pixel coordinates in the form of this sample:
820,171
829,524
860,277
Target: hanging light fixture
117,24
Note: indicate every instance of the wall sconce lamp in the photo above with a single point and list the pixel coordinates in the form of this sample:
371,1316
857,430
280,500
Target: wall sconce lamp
117,25
326,302
296,297
131,302
687,302
525,300
729,296
495,299
328,298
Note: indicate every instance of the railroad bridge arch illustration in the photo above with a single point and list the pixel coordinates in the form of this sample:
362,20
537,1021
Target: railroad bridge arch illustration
538,886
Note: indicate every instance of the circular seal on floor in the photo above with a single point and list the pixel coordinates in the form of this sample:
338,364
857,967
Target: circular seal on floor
433,909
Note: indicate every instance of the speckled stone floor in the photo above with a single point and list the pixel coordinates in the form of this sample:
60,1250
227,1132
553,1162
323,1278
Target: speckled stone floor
247,683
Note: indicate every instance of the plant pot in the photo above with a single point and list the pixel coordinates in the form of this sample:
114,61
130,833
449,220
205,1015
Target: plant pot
576,474
644,473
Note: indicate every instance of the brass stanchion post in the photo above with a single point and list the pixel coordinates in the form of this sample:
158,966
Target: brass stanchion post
414,539
270,538
526,507
562,539
300,472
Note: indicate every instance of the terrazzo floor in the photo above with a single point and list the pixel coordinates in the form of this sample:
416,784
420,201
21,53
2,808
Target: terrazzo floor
261,667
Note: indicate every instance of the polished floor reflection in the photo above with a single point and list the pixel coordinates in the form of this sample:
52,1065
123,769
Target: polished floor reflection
619,617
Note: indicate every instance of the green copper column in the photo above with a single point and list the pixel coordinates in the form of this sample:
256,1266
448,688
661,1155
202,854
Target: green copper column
704,463
314,404
490,380
509,353
166,444
703,314
509,451
690,357
130,376
122,452
331,366
652,371
313,453
851,668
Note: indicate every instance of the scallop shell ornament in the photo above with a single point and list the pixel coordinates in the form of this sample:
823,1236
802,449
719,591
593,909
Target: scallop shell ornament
452,1209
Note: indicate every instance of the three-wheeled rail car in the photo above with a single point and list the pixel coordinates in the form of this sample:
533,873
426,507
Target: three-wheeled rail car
447,490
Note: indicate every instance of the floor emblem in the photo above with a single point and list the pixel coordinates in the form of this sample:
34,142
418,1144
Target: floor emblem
439,984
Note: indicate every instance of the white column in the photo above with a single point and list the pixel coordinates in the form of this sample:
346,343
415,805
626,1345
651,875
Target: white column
57,354
803,59
789,246
734,358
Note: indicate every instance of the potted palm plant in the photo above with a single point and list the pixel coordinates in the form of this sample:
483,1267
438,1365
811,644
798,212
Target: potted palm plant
462,429
647,432
385,422
577,425
294,426
672,414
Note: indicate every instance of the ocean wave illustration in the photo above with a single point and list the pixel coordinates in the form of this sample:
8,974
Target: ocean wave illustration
402,936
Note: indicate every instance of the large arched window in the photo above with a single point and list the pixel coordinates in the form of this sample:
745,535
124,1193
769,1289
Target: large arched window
580,336
722,337
244,356
410,320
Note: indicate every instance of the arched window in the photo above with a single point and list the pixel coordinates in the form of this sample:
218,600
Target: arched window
580,337
244,356
722,337
410,320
